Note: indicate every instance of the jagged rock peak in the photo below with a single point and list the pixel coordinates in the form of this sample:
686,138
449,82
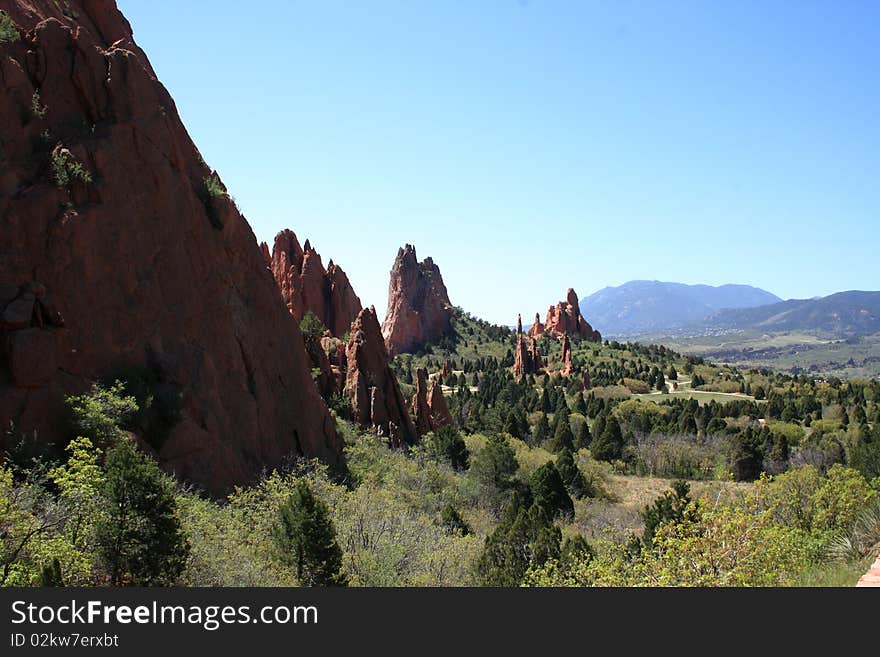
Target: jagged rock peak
565,319
376,400
419,310
307,286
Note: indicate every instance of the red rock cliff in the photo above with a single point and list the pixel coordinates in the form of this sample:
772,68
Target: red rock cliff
565,319
527,357
419,310
306,285
120,251
429,407
376,400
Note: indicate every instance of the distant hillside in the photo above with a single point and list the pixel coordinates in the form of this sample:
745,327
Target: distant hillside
641,307
840,315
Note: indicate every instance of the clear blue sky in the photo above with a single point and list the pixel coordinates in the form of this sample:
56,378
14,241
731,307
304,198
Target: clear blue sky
531,146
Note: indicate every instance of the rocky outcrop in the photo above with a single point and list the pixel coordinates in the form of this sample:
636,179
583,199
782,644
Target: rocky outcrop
565,319
566,356
536,330
440,416
421,412
587,382
419,310
376,400
121,252
527,358
446,370
307,286
429,407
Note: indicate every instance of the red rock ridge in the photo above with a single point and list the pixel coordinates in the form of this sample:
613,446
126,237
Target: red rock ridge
527,358
376,399
117,254
536,329
566,356
429,407
419,310
307,286
565,319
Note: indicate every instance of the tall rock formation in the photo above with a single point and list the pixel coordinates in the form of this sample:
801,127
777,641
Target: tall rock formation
565,319
307,286
376,399
429,407
440,415
419,310
121,253
566,356
527,358
536,330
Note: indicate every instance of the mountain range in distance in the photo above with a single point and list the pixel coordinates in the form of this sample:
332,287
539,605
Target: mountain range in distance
640,308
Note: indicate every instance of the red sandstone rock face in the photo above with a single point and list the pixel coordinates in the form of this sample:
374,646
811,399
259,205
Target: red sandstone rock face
429,407
527,358
376,399
146,268
419,310
565,319
419,404
566,356
536,329
307,286
440,416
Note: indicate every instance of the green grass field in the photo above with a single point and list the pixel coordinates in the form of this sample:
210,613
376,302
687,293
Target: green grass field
794,353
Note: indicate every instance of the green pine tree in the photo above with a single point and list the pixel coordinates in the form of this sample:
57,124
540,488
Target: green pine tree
609,445
549,493
140,540
562,437
571,475
306,539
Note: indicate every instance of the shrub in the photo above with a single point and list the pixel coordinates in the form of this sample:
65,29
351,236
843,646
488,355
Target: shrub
8,30
66,170
37,108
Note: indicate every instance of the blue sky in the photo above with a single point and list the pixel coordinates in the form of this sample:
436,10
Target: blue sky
531,146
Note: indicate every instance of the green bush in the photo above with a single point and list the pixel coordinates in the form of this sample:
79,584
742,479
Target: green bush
66,170
8,30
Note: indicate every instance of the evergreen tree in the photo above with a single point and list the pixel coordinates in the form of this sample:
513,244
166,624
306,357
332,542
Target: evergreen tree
447,445
864,455
139,539
562,437
583,438
746,455
546,404
511,425
453,522
494,467
575,550
571,475
672,506
580,404
599,425
542,430
548,491
306,539
525,537
609,445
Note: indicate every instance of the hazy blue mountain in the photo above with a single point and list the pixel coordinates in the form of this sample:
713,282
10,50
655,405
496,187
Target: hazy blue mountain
650,306
841,314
